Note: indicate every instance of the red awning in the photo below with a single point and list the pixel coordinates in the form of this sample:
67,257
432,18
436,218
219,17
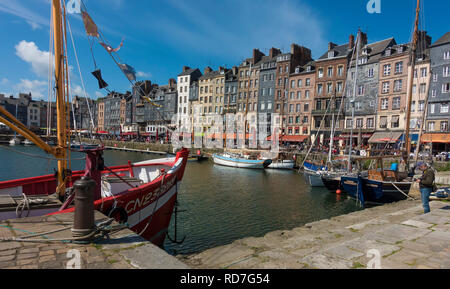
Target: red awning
291,138
128,134
102,132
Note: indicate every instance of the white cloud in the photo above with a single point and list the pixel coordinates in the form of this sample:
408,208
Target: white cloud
39,60
4,81
143,74
17,9
33,25
36,87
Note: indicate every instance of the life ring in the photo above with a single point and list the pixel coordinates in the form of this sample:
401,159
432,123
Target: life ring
119,214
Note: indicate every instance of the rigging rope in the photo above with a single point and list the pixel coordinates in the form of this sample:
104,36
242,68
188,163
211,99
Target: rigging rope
38,156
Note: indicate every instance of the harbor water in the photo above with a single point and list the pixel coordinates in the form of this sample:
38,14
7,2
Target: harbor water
218,204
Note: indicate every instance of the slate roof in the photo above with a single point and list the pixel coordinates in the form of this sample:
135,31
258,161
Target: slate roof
443,40
341,51
188,72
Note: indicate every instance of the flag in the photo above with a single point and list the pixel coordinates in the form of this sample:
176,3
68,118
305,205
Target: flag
109,48
89,25
101,83
73,7
129,71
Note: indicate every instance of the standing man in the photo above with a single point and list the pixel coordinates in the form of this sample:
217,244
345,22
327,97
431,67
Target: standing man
426,185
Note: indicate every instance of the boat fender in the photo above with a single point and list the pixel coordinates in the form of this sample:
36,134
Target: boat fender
119,214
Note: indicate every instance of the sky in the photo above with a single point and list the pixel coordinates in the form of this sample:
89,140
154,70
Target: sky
162,36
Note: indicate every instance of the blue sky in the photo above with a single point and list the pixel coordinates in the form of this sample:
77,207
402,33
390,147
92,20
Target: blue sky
163,35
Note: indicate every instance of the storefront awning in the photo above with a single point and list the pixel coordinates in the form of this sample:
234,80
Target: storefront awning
436,138
385,137
291,138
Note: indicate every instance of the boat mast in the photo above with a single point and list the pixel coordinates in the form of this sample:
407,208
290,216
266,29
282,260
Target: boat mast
411,79
358,43
60,90
422,123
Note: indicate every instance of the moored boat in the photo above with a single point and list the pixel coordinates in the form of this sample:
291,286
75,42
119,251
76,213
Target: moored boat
28,143
282,165
239,162
14,141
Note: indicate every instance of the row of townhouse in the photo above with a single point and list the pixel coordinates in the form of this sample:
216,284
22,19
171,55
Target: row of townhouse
357,86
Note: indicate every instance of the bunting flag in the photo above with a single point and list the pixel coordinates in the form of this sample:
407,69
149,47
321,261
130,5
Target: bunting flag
129,71
73,7
101,83
109,48
89,25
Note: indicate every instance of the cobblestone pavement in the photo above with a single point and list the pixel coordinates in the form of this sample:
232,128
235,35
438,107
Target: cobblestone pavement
123,250
390,236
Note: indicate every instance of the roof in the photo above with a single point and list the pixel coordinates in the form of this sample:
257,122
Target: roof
341,51
188,72
376,50
443,40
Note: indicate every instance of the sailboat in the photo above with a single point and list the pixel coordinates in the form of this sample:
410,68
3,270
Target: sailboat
386,185
142,195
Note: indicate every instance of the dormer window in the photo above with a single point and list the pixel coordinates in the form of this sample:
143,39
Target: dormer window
308,69
362,60
388,52
400,49
297,70
331,54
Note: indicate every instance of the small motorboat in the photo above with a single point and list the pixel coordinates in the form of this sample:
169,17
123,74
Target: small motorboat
28,142
237,161
14,141
83,146
282,165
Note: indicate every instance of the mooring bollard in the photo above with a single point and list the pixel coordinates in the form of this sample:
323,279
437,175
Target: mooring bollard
84,207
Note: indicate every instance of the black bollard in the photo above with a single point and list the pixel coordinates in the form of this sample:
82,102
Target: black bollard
84,207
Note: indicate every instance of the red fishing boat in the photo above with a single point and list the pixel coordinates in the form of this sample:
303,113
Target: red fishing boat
141,195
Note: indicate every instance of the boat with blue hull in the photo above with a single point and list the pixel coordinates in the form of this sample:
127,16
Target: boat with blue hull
235,161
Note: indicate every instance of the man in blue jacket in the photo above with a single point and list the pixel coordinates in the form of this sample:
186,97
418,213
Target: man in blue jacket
426,183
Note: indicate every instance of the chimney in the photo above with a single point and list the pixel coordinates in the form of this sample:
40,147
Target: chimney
363,39
207,70
351,42
274,52
299,55
172,83
186,68
331,45
423,40
257,56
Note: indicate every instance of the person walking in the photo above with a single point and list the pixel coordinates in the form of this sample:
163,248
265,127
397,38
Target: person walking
426,183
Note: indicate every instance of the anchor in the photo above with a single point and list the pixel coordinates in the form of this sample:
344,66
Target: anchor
174,240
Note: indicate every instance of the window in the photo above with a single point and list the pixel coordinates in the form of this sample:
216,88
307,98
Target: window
421,105
358,105
446,88
292,83
423,72
413,106
361,90
398,85
447,55
349,123
446,71
359,122
444,108
291,108
370,123
435,77
432,108
339,86
306,107
370,73
384,103
444,126
431,126
423,88
396,103
308,82
307,94
299,84
330,71
383,122
329,87
340,71
320,72
319,88
318,104
297,107
395,121
387,70
433,93
299,94
399,68
385,87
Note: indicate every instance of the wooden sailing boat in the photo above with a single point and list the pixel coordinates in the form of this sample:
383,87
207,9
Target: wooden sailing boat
143,195
381,185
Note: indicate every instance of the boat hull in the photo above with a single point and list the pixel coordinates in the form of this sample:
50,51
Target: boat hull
332,183
376,191
241,163
282,165
314,179
148,208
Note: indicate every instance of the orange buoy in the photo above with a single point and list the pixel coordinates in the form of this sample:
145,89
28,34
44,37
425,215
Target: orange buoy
338,192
